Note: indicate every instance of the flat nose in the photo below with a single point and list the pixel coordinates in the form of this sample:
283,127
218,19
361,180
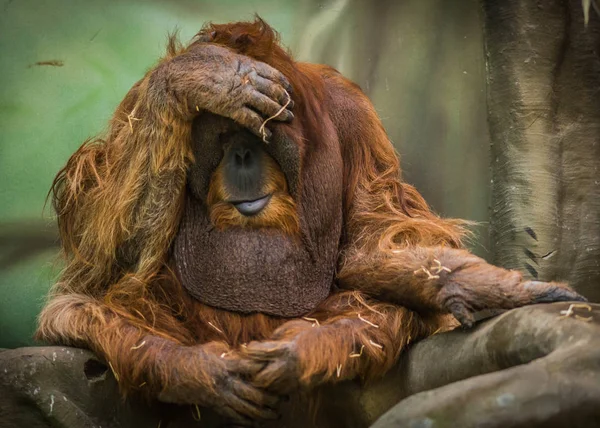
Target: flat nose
243,157
243,171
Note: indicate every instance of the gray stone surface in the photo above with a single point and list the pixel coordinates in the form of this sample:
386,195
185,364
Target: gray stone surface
530,367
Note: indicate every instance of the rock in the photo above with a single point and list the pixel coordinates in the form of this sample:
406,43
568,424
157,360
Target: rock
65,387
533,366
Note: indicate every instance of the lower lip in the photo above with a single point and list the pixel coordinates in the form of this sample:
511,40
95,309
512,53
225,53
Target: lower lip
250,208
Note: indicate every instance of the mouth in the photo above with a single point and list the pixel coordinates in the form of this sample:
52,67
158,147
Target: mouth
251,208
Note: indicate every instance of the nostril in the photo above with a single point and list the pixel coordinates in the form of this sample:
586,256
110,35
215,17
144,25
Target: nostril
243,158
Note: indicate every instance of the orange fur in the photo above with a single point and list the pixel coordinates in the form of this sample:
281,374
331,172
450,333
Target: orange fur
119,202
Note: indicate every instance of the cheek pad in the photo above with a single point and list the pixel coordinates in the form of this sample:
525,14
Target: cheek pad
287,154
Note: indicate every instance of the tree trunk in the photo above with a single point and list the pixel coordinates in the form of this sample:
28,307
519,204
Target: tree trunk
544,117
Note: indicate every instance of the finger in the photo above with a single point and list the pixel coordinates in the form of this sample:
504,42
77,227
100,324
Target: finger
252,121
270,73
244,366
271,90
544,292
254,395
237,418
266,350
461,312
247,409
269,108
275,377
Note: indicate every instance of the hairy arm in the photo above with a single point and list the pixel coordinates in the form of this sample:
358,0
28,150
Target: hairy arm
395,248
155,365
397,258
442,279
118,201
119,198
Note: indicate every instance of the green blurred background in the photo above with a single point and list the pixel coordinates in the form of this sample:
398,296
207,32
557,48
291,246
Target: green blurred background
65,65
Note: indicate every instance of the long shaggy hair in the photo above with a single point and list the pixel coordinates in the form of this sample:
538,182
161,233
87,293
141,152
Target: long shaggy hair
120,198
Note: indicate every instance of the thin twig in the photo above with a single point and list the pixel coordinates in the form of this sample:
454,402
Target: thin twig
439,268
377,345
197,418
139,346
360,299
437,331
130,117
262,127
427,272
569,311
367,322
313,320
215,327
355,355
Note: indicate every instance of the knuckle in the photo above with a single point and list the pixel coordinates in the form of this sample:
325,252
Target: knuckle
237,116
256,121
240,66
236,85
